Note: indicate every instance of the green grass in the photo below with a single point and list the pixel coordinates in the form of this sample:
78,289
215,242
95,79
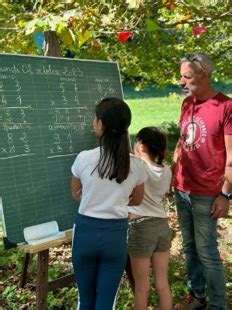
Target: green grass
153,112
161,112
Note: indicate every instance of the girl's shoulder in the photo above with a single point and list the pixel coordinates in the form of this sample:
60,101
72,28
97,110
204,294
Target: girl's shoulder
90,152
157,171
167,168
135,160
88,155
137,168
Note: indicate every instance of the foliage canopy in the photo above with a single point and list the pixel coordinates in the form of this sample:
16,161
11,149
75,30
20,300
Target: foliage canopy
162,31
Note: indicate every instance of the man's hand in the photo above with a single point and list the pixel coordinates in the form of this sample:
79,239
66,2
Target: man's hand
220,207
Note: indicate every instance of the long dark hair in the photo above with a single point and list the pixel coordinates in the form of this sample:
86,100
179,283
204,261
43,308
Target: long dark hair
156,142
114,162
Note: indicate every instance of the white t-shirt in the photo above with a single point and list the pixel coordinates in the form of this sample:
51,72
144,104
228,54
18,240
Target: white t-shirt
102,198
157,184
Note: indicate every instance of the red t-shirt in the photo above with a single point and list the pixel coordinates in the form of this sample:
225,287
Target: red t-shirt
201,164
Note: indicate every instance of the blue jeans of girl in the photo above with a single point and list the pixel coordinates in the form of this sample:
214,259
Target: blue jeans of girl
199,233
99,254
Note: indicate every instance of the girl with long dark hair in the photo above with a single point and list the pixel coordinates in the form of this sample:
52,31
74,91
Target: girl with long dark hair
106,178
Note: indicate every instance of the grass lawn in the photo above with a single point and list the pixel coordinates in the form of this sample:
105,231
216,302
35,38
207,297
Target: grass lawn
161,112
153,111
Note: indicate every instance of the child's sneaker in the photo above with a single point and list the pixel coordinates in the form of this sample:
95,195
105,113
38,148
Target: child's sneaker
191,303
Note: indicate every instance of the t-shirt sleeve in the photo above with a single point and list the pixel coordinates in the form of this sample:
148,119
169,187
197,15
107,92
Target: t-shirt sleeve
139,170
77,165
228,118
143,175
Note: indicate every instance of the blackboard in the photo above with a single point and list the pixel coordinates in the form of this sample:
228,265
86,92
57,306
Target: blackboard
46,111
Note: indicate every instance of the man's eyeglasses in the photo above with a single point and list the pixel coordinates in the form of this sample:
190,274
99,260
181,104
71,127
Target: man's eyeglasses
192,59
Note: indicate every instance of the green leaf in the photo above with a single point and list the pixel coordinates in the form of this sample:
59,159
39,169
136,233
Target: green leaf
30,27
83,37
66,35
151,25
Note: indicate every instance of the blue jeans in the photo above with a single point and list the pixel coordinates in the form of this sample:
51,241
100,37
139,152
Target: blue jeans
99,254
203,263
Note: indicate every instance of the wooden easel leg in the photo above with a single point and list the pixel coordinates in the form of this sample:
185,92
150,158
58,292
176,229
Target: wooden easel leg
42,280
23,278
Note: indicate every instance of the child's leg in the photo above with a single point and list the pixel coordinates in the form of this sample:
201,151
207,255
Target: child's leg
140,269
160,269
129,274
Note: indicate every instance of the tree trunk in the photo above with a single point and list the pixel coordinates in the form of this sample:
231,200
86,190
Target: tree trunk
52,47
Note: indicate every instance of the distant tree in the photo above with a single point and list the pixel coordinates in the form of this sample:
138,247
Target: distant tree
147,38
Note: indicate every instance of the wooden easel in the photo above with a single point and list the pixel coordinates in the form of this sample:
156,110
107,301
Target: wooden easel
42,284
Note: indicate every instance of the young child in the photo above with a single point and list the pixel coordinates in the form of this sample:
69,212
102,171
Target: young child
149,236
105,178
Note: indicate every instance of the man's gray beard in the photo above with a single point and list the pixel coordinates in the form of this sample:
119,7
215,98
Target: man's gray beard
187,93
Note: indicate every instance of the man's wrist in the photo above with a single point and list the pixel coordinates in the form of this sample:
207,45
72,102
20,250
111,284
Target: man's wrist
228,196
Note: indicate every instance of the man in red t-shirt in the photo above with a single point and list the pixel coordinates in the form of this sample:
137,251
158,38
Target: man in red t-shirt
202,177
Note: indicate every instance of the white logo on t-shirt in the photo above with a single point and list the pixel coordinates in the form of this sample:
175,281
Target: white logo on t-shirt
193,132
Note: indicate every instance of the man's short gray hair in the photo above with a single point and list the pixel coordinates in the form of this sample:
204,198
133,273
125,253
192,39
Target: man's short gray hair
201,61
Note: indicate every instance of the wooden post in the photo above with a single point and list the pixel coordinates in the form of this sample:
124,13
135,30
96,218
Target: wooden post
23,277
42,281
52,47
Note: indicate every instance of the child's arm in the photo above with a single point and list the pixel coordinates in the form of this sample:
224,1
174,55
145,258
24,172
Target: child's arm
136,196
76,188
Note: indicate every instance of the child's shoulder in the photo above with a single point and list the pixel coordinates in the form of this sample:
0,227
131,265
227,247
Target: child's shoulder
167,170
137,167
136,159
167,167
88,153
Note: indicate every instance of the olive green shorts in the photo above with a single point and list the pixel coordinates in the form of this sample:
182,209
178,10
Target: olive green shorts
148,235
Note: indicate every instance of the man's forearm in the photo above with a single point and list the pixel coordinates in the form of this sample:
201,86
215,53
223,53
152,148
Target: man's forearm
227,185
176,157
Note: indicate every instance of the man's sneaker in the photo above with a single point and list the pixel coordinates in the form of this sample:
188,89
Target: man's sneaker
191,303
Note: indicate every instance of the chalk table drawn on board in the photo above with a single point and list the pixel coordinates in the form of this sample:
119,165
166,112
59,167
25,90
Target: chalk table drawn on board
13,120
104,89
68,117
